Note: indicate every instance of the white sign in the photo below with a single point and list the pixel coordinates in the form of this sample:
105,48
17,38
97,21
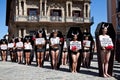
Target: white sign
10,45
55,40
75,43
28,46
3,47
19,44
86,43
106,41
39,41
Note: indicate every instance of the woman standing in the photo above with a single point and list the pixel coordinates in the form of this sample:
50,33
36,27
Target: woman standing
4,50
75,47
106,48
64,53
19,47
86,51
54,43
40,44
27,49
11,46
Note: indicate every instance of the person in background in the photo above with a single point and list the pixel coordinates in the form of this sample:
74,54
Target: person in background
12,50
64,53
4,48
86,51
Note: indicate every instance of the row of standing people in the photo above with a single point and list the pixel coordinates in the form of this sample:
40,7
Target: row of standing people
43,49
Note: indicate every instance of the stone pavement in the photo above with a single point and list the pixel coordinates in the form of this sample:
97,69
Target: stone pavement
14,71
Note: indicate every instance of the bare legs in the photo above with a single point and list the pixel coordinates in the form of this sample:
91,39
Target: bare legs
86,56
19,53
75,59
54,58
27,57
64,58
105,56
40,58
4,55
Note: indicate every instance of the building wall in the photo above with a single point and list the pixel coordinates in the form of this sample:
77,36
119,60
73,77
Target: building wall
69,13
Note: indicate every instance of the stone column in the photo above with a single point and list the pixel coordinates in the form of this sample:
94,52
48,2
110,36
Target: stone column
20,8
16,4
19,33
40,7
84,14
25,8
24,32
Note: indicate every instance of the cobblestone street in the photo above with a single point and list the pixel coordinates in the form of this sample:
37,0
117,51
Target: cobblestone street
14,71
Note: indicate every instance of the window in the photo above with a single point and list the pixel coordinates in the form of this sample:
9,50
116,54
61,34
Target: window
56,13
76,13
86,10
32,12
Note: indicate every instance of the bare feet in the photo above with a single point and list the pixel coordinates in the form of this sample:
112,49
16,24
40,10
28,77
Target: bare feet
105,76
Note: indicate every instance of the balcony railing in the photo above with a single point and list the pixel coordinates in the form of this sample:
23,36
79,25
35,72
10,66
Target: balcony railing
27,18
33,18
56,18
52,19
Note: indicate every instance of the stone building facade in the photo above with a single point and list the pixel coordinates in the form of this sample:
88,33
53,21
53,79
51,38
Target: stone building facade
24,17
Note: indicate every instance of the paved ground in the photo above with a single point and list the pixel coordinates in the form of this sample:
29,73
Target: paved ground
14,71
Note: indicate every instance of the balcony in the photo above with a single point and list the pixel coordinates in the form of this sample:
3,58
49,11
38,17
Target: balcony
56,19
80,20
52,19
26,18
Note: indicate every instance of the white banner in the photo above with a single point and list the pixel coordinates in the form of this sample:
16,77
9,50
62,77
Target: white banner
75,43
3,47
10,45
39,41
55,41
106,41
86,43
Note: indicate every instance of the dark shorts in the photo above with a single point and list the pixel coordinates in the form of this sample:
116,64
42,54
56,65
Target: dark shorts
41,50
55,49
19,50
64,51
73,52
86,50
28,50
3,50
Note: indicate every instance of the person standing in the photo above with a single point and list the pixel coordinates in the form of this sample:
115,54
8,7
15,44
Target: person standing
27,50
12,50
54,44
40,45
106,48
64,53
75,47
4,48
86,51
19,47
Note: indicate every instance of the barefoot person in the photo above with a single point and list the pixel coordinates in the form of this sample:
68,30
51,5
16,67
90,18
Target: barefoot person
106,47
86,51
40,44
27,50
4,48
75,47
64,54
12,47
54,43
19,46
